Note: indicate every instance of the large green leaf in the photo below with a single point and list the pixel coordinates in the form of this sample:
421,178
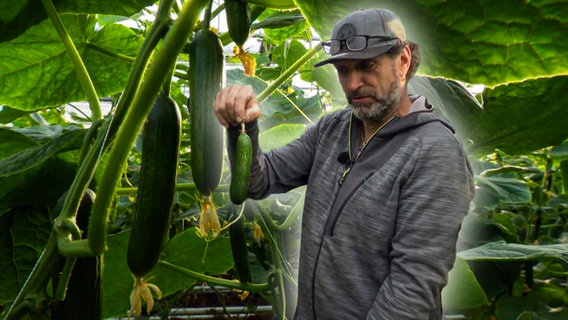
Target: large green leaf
522,117
494,190
502,251
17,16
36,72
279,35
488,42
186,250
453,101
463,291
13,142
280,135
34,156
26,230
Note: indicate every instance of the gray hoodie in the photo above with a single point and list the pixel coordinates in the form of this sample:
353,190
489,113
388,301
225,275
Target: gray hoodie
380,244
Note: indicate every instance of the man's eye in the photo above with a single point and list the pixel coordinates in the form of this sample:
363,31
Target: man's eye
342,70
366,65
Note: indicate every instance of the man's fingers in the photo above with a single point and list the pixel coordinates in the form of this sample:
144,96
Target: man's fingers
236,104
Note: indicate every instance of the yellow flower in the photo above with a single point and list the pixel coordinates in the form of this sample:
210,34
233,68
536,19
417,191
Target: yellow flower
208,219
141,291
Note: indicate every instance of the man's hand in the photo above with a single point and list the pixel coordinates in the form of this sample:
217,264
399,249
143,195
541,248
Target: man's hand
235,105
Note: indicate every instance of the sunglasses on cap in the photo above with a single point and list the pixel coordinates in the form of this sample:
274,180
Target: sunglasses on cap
358,43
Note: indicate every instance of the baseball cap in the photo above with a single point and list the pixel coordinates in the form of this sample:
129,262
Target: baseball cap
364,34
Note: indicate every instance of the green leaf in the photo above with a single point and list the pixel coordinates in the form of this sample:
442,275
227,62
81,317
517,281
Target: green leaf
280,135
522,117
13,142
26,230
487,42
527,307
37,73
289,31
8,114
496,189
42,184
19,15
190,251
453,102
463,291
185,249
34,156
502,251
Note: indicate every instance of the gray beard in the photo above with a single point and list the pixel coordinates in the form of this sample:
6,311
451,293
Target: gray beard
382,107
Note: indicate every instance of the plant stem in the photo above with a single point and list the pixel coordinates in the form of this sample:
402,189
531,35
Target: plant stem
134,118
179,187
252,287
80,68
288,73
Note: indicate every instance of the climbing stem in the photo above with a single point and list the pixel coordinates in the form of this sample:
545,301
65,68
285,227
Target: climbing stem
134,118
288,73
252,287
80,68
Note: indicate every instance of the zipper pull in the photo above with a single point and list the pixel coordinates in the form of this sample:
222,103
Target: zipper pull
343,175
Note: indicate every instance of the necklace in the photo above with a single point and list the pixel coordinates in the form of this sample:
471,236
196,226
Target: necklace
363,143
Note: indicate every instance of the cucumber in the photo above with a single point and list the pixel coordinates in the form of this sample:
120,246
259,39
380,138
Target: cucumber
207,135
240,172
238,17
156,188
239,245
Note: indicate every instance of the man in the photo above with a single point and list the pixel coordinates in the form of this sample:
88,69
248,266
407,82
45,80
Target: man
387,182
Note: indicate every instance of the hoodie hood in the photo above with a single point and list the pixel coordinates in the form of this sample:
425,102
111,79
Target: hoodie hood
421,112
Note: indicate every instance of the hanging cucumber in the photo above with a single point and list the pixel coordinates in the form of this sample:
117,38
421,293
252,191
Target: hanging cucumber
207,134
239,245
238,17
240,172
156,189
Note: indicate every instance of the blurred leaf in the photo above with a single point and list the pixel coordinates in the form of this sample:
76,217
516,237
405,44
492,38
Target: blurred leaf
283,25
527,307
463,291
8,114
453,101
287,54
36,72
280,135
484,42
278,19
502,251
494,190
522,117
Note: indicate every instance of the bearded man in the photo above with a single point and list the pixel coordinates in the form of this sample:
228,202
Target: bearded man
388,184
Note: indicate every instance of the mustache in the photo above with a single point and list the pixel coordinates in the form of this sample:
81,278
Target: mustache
361,93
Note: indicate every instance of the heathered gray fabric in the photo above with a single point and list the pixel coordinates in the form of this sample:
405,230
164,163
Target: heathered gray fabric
393,244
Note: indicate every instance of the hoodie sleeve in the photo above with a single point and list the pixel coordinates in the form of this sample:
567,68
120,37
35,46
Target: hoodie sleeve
434,199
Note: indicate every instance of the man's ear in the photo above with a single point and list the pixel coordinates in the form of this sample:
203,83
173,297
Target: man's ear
405,61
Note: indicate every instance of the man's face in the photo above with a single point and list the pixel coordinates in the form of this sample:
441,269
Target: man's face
371,86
